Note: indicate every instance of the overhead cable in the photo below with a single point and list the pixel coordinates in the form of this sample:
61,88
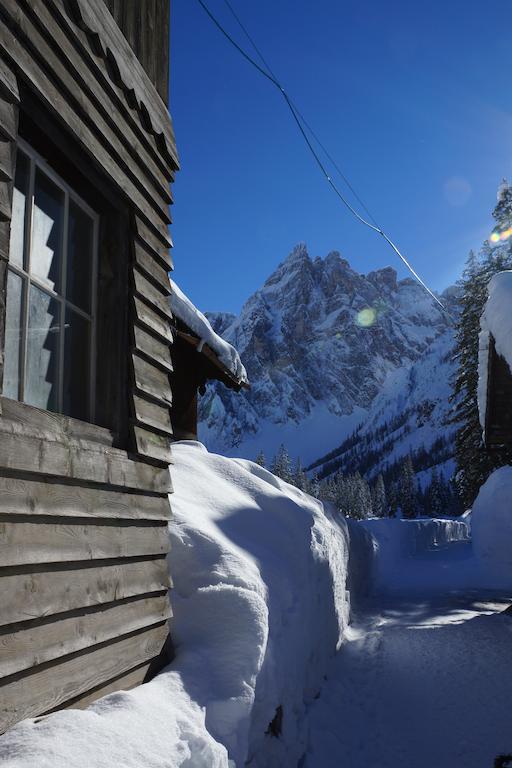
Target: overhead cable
266,72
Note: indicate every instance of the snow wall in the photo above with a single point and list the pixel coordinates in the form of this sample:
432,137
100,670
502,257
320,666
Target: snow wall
264,577
395,539
492,529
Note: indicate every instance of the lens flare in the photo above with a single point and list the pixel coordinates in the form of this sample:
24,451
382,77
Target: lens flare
503,235
366,317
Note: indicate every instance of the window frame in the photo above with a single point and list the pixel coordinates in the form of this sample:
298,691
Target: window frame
37,161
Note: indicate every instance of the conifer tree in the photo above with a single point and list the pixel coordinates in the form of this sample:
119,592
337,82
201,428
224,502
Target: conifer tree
379,501
436,495
408,490
300,479
260,459
282,465
473,462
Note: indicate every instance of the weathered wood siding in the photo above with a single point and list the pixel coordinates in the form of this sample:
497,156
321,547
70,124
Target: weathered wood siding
498,417
83,520
146,27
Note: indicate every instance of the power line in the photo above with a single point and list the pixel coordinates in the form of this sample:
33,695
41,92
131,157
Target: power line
304,121
300,122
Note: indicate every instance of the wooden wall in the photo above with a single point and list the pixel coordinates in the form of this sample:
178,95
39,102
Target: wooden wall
146,27
83,519
498,416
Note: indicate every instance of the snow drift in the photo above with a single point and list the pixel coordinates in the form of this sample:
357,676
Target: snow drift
258,567
260,606
492,528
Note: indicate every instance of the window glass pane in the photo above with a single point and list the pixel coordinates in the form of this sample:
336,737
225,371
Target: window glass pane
41,375
79,258
13,323
47,226
76,365
19,201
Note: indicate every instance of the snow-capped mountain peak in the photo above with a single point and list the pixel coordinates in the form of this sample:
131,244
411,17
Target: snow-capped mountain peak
319,341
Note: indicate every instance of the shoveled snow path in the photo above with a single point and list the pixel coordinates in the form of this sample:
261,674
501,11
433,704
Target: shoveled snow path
424,679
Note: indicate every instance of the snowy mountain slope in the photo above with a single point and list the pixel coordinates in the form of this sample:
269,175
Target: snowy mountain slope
410,415
319,341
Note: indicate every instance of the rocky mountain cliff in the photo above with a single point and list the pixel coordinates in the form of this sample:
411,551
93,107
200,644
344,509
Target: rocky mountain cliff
320,343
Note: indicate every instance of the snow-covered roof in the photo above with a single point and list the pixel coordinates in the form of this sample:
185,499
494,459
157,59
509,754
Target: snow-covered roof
194,319
496,320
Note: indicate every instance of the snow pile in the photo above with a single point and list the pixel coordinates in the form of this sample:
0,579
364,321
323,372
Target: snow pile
260,602
492,527
260,607
183,308
496,320
156,725
395,540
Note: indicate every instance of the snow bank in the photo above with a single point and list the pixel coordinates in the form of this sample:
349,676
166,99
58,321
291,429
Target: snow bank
492,527
260,607
183,308
260,602
496,320
396,539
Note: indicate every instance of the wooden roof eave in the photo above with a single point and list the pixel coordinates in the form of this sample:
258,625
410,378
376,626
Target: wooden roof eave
224,374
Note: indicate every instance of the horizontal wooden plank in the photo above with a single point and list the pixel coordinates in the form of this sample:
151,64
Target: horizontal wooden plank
151,294
8,119
22,496
37,643
151,380
30,541
123,682
158,242
153,348
37,593
48,687
61,108
20,451
152,268
152,445
47,424
150,319
150,414
8,83
7,154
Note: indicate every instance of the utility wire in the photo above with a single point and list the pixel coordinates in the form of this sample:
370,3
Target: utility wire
303,119
300,124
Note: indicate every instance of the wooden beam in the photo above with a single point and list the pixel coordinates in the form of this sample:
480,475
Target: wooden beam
51,685
32,643
36,593
152,445
34,498
153,321
149,414
25,541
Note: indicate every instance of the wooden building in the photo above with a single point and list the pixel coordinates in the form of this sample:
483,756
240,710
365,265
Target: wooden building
197,359
87,154
498,410
495,365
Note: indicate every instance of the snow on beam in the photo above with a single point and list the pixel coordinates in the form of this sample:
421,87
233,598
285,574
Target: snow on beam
228,356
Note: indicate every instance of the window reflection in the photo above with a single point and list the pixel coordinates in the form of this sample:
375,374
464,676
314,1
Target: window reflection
47,226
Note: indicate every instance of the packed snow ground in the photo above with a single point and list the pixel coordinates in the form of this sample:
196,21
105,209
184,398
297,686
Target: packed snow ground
424,679
266,580
260,607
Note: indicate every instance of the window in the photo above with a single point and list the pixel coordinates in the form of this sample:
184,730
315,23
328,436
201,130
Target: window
51,292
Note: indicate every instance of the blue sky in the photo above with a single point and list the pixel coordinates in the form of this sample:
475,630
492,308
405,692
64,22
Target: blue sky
413,99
